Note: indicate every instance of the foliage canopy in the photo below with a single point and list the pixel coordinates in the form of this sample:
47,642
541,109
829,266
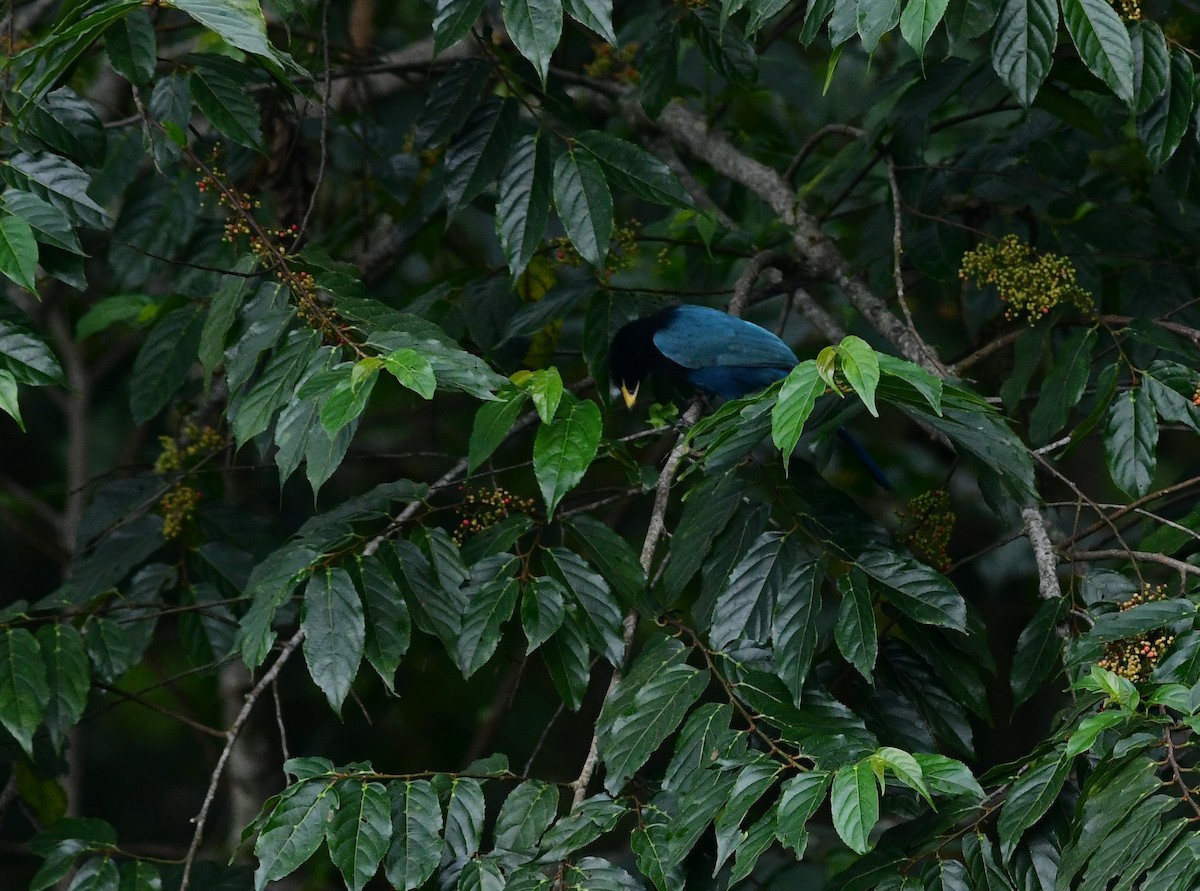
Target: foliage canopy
502,633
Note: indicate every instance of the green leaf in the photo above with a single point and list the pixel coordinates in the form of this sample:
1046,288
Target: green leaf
525,816
634,169
659,67
874,19
67,680
799,799
1023,45
567,659
793,405
920,592
1130,439
523,201
416,834
903,767
1140,618
584,205
1064,384
751,783
50,225
491,598
132,309
1162,127
855,628
481,875
746,606
27,358
360,831
493,421
724,47
219,90
453,96
163,362
1039,650
706,510
918,21
794,624
276,386
542,610
476,156
97,874
545,387
535,27
453,20
860,365
348,398
596,15
66,123
464,822
1103,43
1151,63
412,370
854,802
18,250
601,618
293,831
563,450
24,689
334,632
1084,736
948,777
612,555
583,825
645,708
132,47
240,23
8,397
387,626
1029,797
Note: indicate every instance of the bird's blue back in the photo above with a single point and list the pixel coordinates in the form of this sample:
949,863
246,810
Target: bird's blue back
723,354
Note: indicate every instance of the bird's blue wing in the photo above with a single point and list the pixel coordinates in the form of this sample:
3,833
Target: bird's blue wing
700,337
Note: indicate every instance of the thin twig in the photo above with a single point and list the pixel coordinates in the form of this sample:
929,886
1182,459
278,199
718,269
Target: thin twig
1135,556
231,737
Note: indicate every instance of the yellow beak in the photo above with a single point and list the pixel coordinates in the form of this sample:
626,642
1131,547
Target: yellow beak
630,398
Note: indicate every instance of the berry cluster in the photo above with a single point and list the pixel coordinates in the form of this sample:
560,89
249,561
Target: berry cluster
178,506
482,508
623,251
1135,657
1196,396
1128,10
1030,282
616,64
930,522
181,454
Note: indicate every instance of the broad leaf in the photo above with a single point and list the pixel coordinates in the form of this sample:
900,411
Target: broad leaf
1023,45
334,632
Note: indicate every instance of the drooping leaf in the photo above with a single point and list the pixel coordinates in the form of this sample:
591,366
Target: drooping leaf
239,22
1162,126
584,204
1023,45
1103,43
293,831
24,689
334,633
476,155
855,628
162,364
417,842
646,706
564,449
793,405
18,250
523,201
535,27
1130,440
918,21
360,831
854,802
453,20
218,88
634,169
1029,797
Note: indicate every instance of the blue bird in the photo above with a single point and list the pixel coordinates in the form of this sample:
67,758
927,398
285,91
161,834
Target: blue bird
708,350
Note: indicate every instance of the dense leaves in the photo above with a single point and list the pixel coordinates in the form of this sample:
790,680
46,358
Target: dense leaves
392,245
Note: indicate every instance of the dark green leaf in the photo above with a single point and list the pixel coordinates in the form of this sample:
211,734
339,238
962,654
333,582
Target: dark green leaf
535,27
276,386
132,48
854,802
334,632
218,88
293,831
646,707
238,22
525,815
454,95
387,624
1151,63
584,824
24,688
876,18
416,834
476,156
584,205
855,628
27,357
163,362
542,610
564,448
491,597
799,799
523,201
918,21
659,66
1039,650
453,20
612,555
1064,385
61,183
1029,797
66,663
1130,439
921,593
1023,45
634,169
794,625
724,47
18,250
50,225
1162,126
66,123
601,616
567,658
595,15
1103,43
360,831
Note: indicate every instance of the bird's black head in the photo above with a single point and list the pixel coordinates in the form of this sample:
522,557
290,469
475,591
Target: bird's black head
633,354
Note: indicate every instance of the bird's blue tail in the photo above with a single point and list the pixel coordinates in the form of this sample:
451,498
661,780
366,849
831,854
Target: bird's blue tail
864,456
